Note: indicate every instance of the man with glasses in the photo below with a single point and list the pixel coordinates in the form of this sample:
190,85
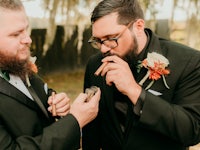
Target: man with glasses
150,86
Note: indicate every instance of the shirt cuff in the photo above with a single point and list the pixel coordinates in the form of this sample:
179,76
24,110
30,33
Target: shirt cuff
137,108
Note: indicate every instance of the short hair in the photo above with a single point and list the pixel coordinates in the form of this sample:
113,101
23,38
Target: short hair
11,4
128,10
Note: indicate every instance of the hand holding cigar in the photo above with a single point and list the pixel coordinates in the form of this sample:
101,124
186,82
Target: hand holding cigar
99,70
53,105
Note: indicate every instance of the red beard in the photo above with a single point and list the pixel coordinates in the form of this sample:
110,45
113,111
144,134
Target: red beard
15,66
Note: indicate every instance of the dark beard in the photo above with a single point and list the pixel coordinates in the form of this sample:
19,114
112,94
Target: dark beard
15,66
131,56
132,53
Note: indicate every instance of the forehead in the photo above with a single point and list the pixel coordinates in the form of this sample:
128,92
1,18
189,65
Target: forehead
106,25
13,20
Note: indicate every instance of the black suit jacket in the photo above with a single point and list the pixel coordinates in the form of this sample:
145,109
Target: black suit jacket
23,124
170,121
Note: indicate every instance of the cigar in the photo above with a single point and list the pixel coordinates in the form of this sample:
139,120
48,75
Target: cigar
99,70
53,105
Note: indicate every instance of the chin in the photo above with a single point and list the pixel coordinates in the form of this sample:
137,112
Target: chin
24,57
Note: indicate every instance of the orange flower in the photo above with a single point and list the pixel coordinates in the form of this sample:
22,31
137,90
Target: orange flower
156,65
157,71
34,68
33,65
144,63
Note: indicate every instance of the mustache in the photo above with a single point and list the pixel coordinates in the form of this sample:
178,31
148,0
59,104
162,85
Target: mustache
108,53
27,46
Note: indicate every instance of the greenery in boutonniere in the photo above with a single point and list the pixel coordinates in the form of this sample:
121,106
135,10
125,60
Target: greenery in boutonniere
5,75
156,65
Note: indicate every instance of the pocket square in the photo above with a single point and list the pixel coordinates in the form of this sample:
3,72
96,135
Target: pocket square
154,92
46,88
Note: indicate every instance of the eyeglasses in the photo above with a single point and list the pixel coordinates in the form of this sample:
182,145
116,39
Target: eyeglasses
110,42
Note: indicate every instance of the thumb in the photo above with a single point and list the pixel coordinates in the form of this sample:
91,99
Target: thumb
81,98
96,97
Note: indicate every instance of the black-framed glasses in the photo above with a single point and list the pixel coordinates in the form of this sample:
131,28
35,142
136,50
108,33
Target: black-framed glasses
110,42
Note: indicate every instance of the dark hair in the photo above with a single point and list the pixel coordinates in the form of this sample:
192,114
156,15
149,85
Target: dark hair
11,4
128,10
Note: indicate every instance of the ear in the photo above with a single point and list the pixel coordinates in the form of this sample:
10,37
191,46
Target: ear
138,27
139,24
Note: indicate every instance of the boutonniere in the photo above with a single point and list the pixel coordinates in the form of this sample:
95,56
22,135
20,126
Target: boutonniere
33,67
156,65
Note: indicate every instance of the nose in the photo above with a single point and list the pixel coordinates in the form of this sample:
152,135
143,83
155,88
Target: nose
26,39
104,49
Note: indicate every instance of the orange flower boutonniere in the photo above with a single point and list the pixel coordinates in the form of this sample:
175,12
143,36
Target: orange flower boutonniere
34,67
156,65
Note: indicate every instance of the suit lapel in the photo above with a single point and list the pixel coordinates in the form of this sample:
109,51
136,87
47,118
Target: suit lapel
153,46
37,100
11,91
38,87
38,93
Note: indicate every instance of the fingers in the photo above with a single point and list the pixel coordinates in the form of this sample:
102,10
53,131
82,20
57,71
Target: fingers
81,98
85,111
59,104
109,67
113,62
62,111
99,70
113,58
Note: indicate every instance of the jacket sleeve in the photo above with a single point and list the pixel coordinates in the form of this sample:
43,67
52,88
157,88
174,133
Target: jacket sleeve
63,134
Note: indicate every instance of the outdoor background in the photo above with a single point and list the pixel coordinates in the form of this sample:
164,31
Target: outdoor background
60,30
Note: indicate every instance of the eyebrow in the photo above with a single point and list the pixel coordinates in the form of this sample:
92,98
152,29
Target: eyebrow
107,36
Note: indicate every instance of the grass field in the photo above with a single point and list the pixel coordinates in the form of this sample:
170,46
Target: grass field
71,82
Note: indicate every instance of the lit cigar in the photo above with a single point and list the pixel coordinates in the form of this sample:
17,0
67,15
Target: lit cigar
53,105
99,70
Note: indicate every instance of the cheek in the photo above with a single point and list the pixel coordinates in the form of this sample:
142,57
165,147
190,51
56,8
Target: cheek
126,46
9,48
23,53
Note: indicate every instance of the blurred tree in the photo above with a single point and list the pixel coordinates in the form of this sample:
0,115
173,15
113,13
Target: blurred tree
191,30
76,13
70,12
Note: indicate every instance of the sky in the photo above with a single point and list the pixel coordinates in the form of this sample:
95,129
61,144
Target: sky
34,9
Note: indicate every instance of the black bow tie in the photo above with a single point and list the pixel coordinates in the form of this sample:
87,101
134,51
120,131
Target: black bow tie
5,74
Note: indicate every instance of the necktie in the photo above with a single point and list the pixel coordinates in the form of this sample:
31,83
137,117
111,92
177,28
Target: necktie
37,100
